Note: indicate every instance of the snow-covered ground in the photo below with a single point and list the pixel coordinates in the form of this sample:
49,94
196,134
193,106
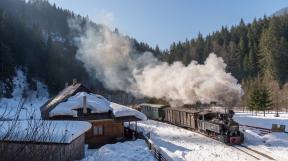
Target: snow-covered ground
260,120
126,151
10,107
273,144
178,143
181,144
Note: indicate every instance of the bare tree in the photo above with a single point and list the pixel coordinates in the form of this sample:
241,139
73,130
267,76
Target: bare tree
31,143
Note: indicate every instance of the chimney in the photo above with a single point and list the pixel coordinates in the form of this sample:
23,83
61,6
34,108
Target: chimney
84,105
66,84
74,82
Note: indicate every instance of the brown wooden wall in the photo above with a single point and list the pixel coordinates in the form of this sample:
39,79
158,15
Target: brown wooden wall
15,151
181,118
111,131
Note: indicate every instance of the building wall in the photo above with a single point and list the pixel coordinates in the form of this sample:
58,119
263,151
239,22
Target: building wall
27,151
111,131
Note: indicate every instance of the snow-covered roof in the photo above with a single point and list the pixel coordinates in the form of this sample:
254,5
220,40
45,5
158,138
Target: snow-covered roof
42,131
62,96
123,111
96,103
152,105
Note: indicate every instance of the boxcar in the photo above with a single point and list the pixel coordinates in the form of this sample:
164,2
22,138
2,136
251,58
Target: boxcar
181,117
153,111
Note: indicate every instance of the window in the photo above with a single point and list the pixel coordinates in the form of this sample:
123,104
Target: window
98,130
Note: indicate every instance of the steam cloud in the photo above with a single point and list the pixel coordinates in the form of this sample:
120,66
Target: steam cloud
111,58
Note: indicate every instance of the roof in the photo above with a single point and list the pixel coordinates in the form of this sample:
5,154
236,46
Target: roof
69,100
121,111
153,105
190,110
95,103
61,97
42,131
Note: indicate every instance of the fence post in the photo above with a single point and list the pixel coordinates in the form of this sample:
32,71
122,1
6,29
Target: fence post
155,150
159,156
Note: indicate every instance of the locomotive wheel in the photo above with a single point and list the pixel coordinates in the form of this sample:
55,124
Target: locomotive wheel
224,139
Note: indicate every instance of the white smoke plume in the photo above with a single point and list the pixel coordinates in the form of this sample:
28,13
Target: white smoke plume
111,58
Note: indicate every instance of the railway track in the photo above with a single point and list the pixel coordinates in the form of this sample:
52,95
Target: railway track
249,151
253,153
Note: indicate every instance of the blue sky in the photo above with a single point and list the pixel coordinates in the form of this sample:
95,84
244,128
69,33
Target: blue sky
164,21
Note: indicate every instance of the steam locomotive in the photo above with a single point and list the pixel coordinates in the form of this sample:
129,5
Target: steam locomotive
218,125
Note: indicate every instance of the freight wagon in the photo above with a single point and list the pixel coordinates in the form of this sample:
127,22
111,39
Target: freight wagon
217,124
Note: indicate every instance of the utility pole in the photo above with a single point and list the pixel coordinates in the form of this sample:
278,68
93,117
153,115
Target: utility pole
277,108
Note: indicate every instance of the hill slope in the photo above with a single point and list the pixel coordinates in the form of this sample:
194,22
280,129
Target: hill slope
35,37
281,12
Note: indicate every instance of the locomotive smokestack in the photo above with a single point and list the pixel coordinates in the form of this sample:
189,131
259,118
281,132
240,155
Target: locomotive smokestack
66,84
74,82
84,105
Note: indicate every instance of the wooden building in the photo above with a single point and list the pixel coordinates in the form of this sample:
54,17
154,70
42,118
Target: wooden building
77,102
48,141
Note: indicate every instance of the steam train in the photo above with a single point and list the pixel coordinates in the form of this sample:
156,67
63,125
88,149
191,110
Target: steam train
218,125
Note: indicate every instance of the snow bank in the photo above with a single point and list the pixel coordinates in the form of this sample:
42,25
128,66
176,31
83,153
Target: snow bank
122,111
261,121
184,145
97,104
42,131
126,151
10,107
273,144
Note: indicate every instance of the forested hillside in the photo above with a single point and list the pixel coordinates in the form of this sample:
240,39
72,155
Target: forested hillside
35,37
252,51
281,12
248,49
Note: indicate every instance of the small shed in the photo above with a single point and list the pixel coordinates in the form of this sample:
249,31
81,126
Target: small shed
76,102
42,140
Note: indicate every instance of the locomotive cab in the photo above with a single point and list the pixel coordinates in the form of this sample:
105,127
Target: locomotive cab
208,123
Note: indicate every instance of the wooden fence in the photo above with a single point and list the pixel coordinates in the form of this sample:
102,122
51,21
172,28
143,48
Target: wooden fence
159,154
263,131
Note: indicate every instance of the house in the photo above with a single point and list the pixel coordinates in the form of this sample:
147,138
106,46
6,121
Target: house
42,140
77,102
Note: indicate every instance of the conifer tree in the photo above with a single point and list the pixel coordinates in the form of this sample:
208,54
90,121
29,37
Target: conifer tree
260,98
254,99
265,100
